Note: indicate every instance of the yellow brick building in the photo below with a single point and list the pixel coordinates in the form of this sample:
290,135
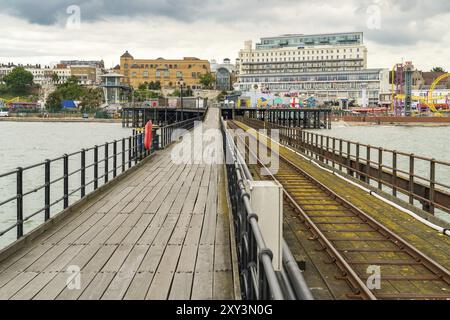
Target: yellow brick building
167,72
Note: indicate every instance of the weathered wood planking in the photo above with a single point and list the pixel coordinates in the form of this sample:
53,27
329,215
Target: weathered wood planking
161,233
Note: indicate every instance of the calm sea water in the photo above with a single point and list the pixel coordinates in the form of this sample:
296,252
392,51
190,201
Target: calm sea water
25,143
425,141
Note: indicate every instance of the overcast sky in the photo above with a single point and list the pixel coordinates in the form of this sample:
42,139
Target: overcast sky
46,31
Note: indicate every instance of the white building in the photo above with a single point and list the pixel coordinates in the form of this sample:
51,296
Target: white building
330,67
63,74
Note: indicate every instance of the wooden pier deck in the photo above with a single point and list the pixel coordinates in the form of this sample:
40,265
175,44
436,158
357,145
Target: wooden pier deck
162,232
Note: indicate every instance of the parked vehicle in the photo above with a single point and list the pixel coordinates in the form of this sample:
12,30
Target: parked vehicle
4,113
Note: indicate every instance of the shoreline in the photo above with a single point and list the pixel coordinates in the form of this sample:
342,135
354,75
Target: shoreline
77,120
392,124
393,121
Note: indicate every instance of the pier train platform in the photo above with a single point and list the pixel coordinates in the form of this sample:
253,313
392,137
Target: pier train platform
163,232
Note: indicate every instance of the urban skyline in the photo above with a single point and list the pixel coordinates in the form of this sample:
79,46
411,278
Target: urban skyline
152,29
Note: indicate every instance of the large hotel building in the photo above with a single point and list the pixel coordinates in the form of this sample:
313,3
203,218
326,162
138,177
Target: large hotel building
168,72
330,67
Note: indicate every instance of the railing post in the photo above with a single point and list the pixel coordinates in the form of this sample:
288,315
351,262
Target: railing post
432,184
349,159
340,154
83,173
334,153
66,181
95,167
115,159
135,144
368,163
411,178
129,152
106,162
47,190
123,155
19,190
358,168
394,173
380,168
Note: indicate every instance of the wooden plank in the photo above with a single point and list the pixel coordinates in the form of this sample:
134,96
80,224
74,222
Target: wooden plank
12,287
119,286
97,286
161,284
200,204
181,286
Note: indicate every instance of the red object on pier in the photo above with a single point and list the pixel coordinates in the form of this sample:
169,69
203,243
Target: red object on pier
148,135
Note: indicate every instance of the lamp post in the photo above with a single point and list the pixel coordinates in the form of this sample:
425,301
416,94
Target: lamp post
232,106
181,83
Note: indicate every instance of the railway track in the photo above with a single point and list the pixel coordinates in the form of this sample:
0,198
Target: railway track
359,245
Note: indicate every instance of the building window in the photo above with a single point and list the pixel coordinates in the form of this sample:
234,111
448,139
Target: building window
158,74
179,74
133,74
145,74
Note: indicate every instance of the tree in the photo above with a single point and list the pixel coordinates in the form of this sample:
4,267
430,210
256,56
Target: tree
91,100
19,80
71,90
207,80
143,86
157,85
53,103
438,69
55,77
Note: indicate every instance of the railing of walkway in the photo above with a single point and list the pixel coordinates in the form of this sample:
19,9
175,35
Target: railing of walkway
167,134
44,189
421,181
258,277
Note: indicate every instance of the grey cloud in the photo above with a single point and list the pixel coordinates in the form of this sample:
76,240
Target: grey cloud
48,12
396,15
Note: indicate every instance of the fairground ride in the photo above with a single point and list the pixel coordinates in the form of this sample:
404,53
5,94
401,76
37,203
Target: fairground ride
402,91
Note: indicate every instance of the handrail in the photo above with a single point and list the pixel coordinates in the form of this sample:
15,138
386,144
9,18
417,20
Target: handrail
118,157
250,240
382,168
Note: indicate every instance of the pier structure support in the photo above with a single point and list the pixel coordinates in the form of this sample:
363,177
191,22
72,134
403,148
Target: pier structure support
292,118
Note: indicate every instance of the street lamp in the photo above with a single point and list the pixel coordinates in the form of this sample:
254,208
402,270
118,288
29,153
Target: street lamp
181,83
232,107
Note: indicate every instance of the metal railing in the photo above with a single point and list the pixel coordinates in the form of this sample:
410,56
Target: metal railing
82,173
419,180
258,278
167,134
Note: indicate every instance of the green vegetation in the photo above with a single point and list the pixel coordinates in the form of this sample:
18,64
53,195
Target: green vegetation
91,98
221,97
150,86
207,80
18,82
187,92
55,78
438,69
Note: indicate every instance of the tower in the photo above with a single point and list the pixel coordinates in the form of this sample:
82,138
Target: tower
409,69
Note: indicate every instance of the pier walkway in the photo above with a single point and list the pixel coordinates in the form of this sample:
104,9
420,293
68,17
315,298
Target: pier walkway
162,232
